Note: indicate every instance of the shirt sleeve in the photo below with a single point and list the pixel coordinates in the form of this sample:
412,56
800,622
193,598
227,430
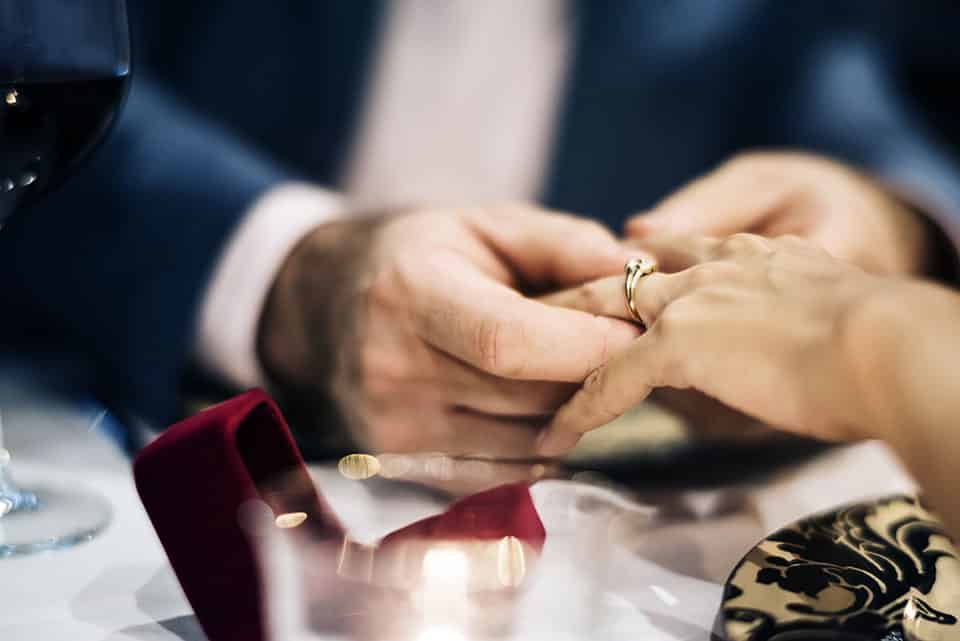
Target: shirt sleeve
230,310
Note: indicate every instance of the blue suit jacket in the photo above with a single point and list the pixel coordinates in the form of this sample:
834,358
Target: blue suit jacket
230,97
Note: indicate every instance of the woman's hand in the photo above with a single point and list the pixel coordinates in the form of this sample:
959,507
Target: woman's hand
764,326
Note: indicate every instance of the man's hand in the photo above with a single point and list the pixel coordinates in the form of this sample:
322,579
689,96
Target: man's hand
774,194
417,326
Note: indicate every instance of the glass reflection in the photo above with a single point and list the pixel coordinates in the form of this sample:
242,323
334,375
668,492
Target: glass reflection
290,519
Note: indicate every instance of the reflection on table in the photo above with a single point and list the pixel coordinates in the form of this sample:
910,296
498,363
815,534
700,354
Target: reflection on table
618,561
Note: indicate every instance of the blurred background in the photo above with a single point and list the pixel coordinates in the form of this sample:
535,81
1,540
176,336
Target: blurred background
265,167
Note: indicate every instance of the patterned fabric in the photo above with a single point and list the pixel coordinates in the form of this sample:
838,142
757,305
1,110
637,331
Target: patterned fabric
882,570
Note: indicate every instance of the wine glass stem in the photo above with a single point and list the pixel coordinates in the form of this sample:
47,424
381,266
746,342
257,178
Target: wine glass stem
12,498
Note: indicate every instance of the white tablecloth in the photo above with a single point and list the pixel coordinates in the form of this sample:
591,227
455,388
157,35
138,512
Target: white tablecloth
120,586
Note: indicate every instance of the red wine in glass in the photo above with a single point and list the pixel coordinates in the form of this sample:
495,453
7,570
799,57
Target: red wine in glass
47,128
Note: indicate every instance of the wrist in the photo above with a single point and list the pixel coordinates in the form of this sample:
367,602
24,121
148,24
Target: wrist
240,281
298,327
878,352
306,327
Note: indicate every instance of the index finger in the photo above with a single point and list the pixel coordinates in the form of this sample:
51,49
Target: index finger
608,392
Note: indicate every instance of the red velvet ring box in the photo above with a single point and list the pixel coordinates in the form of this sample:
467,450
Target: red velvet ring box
195,477
192,481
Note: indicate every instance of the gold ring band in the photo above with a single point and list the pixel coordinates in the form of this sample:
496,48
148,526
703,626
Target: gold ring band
635,270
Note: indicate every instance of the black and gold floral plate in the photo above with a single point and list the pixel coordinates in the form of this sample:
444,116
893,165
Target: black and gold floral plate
876,571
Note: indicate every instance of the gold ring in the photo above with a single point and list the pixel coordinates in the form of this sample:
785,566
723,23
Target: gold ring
635,270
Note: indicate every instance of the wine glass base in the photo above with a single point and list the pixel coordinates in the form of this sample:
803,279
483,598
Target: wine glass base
63,518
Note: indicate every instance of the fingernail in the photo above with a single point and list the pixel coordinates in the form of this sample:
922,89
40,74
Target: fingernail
644,223
637,227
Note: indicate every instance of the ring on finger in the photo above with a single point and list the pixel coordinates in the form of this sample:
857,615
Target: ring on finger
635,270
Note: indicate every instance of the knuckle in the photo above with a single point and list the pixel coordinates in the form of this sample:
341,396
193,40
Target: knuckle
668,321
744,243
792,240
590,298
495,348
729,271
604,334
594,389
380,374
715,273
382,289
595,381
394,284
487,343
676,315
716,295
704,275
791,243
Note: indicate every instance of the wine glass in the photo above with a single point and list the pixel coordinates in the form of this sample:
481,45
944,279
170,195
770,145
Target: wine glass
64,70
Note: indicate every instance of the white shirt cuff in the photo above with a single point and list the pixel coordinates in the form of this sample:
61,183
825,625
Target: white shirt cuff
230,312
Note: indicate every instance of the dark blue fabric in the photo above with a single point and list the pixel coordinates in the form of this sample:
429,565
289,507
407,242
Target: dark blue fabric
231,96
665,90
112,266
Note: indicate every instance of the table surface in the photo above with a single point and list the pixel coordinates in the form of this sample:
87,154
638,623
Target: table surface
120,587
